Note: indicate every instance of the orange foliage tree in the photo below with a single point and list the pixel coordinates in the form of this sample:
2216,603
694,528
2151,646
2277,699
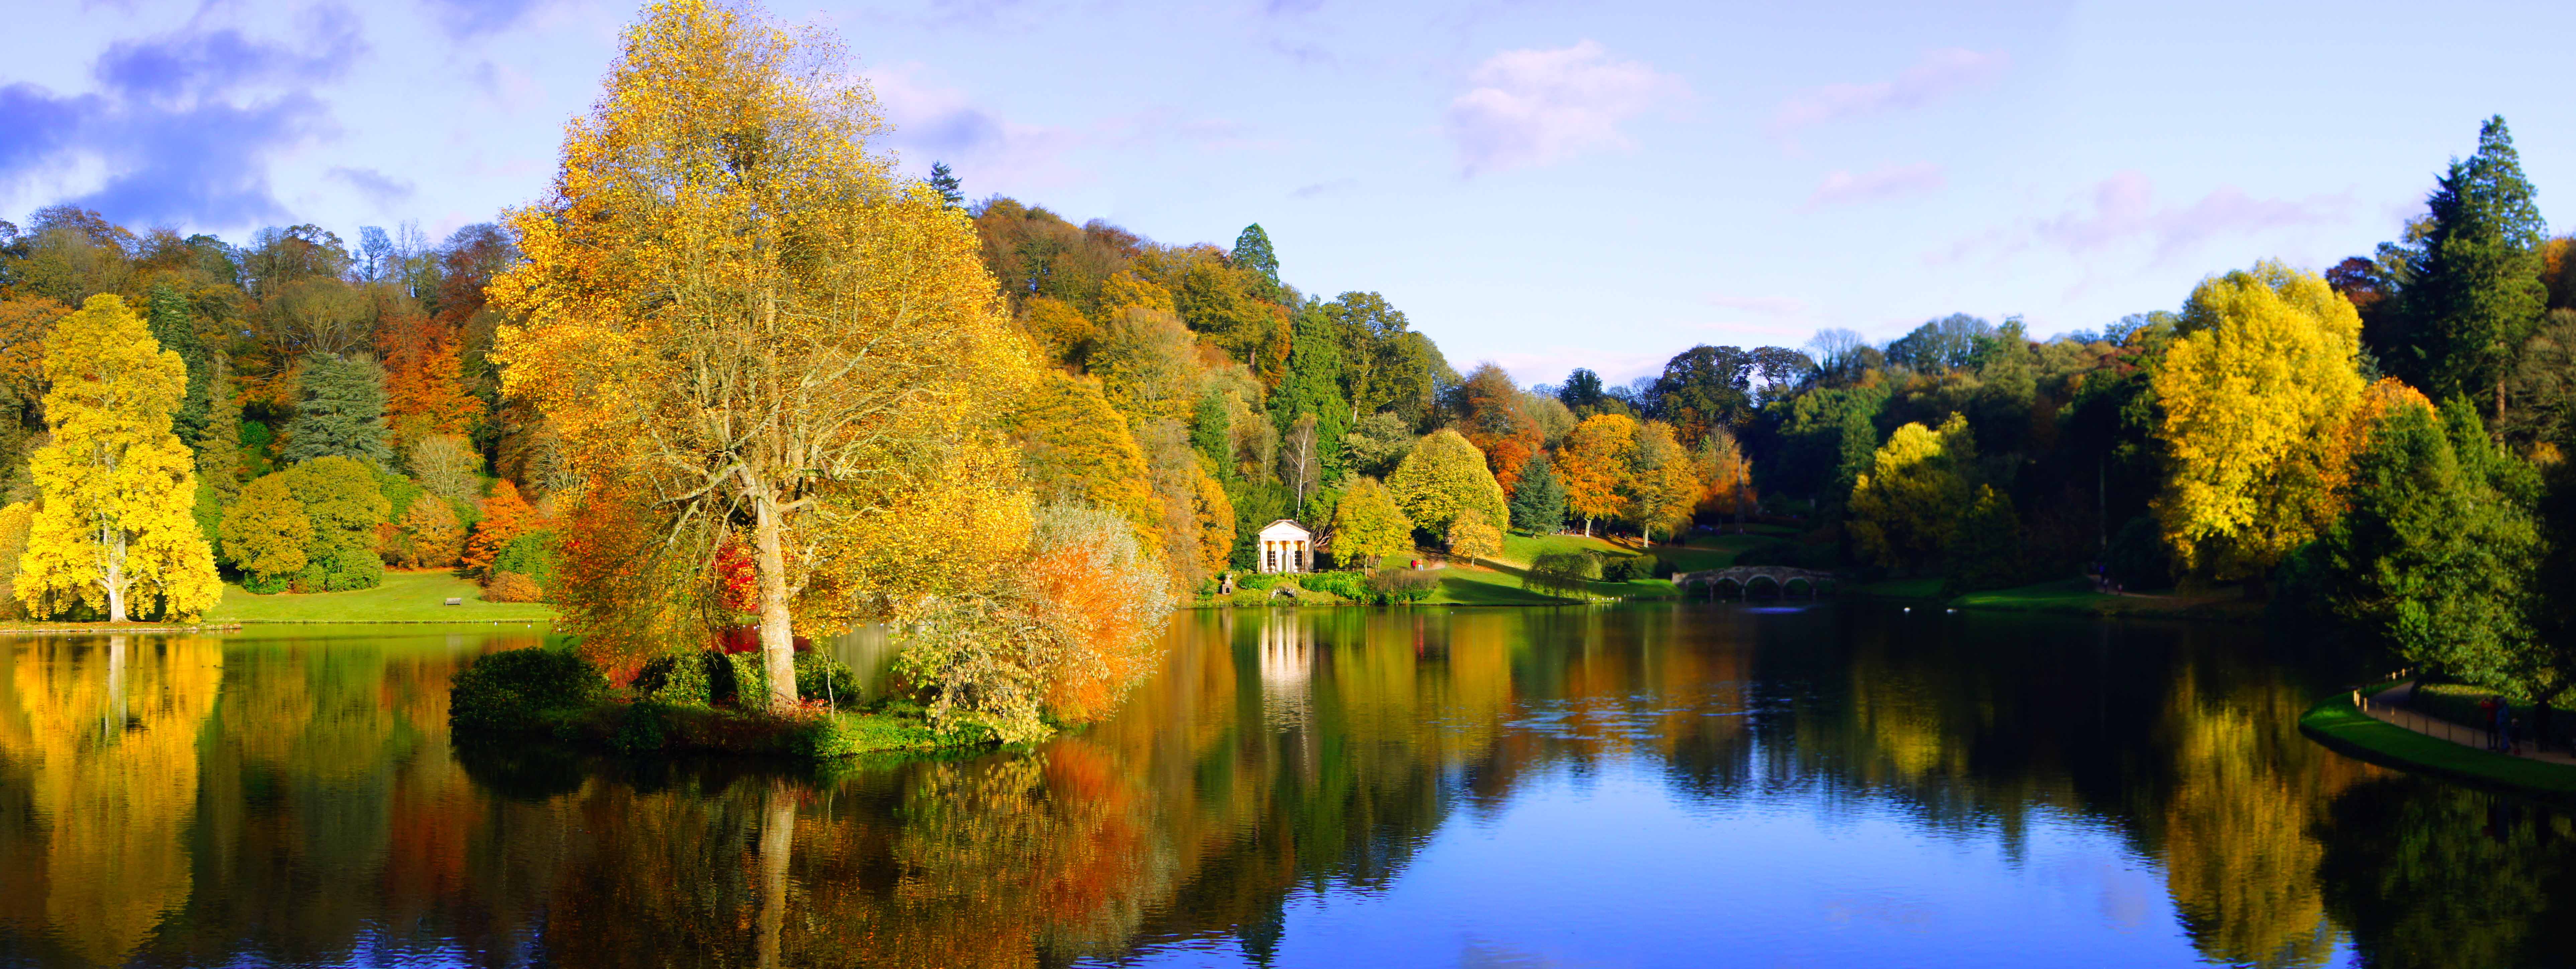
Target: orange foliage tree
1492,419
424,380
1593,464
505,516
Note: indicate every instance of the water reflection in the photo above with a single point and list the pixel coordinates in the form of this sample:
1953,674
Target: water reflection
1649,786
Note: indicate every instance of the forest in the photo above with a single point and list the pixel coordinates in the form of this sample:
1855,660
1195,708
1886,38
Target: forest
812,390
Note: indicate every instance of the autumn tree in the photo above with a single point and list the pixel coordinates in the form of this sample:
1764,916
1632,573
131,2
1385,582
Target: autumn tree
340,411
1473,536
425,391
1663,488
1443,477
1593,466
431,534
2254,394
447,466
1725,475
343,504
265,534
112,528
1905,510
1368,524
1491,417
505,516
1075,448
730,298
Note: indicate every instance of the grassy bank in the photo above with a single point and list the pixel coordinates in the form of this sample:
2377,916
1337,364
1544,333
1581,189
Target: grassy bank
404,597
2072,597
2337,724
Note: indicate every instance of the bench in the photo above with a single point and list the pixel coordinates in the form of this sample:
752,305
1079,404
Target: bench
455,602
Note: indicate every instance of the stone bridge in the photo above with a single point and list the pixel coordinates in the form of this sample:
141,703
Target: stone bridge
1742,578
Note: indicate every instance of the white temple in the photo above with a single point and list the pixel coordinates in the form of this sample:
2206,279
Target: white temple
1286,547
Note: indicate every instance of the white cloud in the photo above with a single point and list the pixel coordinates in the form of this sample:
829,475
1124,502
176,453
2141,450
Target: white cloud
2123,209
1939,74
1534,107
1889,181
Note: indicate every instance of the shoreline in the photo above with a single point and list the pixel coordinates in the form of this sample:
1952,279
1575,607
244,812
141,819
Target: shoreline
2336,724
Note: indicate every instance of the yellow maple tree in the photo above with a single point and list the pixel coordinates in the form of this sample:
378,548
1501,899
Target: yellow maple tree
113,528
1593,465
2256,392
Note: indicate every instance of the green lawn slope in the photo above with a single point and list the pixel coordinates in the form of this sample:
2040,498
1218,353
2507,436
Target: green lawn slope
2336,723
404,597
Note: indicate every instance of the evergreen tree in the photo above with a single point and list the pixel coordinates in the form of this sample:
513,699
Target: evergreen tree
1252,251
174,325
2477,293
944,182
1582,389
219,450
1538,505
1209,425
1313,386
2435,558
342,412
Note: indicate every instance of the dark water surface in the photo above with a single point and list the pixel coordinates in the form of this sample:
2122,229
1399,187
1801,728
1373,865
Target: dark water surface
1645,786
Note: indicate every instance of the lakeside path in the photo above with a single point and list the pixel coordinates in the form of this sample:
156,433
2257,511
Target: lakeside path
2361,725
2392,706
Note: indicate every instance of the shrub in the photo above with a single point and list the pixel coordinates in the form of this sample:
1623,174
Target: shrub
1348,585
1562,572
1627,568
820,677
514,691
1264,580
676,679
512,587
266,585
311,578
349,568
1402,585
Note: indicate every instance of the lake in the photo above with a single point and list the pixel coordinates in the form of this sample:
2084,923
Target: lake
1648,785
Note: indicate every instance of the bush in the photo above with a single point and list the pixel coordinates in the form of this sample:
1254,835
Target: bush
267,585
352,568
310,578
1264,580
677,679
1562,572
820,677
1348,585
512,587
514,691
1402,585
1627,568
2138,558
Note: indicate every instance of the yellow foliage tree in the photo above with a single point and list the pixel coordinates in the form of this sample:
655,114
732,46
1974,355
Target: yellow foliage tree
1905,510
1215,520
1444,477
1058,329
1076,448
730,301
2256,392
1472,536
115,487
266,532
1368,525
1663,487
1725,474
1593,465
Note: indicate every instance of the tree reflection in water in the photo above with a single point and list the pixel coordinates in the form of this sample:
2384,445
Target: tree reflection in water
191,801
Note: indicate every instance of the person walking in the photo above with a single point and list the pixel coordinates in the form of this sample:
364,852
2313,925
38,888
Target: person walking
2486,712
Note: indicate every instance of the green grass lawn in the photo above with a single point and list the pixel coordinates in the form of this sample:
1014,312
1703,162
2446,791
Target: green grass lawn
405,597
2076,597
1701,552
1502,587
2337,724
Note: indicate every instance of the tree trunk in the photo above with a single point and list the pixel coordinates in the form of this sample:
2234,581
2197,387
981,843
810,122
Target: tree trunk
777,633
115,572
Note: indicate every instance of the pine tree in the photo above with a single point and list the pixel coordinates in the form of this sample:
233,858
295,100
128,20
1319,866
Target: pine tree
114,528
1538,506
944,182
2477,294
219,450
1252,251
174,325
342,412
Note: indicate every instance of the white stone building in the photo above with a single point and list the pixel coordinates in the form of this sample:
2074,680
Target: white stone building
1286,547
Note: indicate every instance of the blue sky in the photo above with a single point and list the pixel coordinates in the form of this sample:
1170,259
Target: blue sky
1544,185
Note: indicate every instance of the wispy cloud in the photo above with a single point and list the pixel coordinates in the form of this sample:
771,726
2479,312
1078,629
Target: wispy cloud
943,124
2122,212
377,187
1938,75
1323,188
1765,305
1535,107
1886,182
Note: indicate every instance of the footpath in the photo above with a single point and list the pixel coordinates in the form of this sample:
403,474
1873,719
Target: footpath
2391,706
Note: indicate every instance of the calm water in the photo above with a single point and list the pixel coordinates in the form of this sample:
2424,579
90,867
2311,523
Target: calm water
1656,786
